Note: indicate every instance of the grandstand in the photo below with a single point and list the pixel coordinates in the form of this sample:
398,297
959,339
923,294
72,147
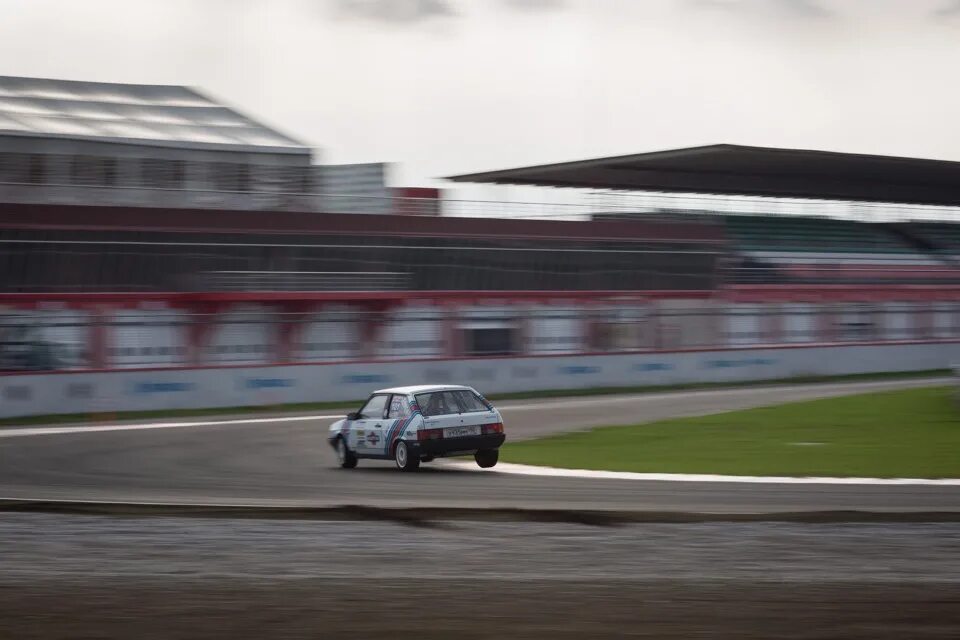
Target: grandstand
794,233
194,250
940,239
149,260
823,250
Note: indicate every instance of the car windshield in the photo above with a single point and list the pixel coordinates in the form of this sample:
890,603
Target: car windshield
441,403
374,408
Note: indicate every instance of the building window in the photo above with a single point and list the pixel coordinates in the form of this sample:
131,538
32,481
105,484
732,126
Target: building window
157,173
283,179
230,176
93,171
489,342
301,180
23,168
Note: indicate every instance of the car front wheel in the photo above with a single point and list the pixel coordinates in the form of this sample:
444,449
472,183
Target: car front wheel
487,459
346,458
405,461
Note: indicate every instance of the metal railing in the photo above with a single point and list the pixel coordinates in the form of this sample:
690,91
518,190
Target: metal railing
881,272
569,204
45,263
302,281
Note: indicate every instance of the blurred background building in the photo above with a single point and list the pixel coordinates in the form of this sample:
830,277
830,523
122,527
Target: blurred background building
150,226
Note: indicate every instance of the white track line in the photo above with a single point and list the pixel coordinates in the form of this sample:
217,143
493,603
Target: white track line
855,387
832,389
14,432
47,431
551,472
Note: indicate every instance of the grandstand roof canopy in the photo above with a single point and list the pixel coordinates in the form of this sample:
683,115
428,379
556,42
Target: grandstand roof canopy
130,113
756,171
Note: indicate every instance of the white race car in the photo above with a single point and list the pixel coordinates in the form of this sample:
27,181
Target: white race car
410,425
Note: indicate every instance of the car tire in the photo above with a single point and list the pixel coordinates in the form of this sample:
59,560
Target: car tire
487,459
345,458
405,461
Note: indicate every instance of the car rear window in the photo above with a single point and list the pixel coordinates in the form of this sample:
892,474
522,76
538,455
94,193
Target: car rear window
437,403
469,402
441,403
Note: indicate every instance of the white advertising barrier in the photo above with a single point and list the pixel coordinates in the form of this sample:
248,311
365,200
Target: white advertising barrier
129,390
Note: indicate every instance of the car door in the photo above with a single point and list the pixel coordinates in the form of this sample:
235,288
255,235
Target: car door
367,429
399,418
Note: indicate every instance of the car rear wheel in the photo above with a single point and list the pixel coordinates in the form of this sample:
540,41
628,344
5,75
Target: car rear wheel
405,461
488,458
346,458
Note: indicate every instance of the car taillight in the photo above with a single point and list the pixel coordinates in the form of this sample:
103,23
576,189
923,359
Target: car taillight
429,434
496,427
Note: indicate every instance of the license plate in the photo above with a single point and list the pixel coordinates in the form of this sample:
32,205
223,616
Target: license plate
459,432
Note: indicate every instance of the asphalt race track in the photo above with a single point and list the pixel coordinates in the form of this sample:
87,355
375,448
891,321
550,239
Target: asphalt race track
371,574
288,463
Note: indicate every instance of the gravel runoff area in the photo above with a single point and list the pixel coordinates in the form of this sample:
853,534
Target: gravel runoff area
100,577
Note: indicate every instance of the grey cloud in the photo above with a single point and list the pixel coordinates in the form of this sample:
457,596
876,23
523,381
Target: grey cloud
810,8
396,11
805,8
716,4
948,10
536,5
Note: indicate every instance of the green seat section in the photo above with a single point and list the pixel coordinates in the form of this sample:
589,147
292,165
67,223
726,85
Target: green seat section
812,235
940,235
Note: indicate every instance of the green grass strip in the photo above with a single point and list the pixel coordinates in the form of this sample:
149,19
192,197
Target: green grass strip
913,433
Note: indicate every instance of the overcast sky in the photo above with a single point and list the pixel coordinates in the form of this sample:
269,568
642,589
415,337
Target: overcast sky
449,86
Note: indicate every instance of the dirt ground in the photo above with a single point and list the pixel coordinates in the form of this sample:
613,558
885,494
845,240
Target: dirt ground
474,610
107,578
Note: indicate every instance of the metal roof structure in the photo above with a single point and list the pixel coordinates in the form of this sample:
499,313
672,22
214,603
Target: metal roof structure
754,171
153,115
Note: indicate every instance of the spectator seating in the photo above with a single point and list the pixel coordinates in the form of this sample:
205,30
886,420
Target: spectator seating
801,249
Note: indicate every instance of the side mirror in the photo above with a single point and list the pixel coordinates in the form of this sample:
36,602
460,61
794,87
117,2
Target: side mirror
353,415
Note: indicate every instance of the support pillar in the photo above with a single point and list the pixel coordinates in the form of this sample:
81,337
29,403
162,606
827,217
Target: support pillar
826,330
99,337
771,330
289,329
371,329
523,340
202,321
453,342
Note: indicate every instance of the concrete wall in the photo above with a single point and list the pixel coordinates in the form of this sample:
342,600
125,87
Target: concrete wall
34,394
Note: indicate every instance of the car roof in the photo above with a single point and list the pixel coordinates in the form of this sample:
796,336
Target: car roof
422,388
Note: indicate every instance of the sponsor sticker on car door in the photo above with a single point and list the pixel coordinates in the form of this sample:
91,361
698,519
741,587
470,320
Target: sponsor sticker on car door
369,427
